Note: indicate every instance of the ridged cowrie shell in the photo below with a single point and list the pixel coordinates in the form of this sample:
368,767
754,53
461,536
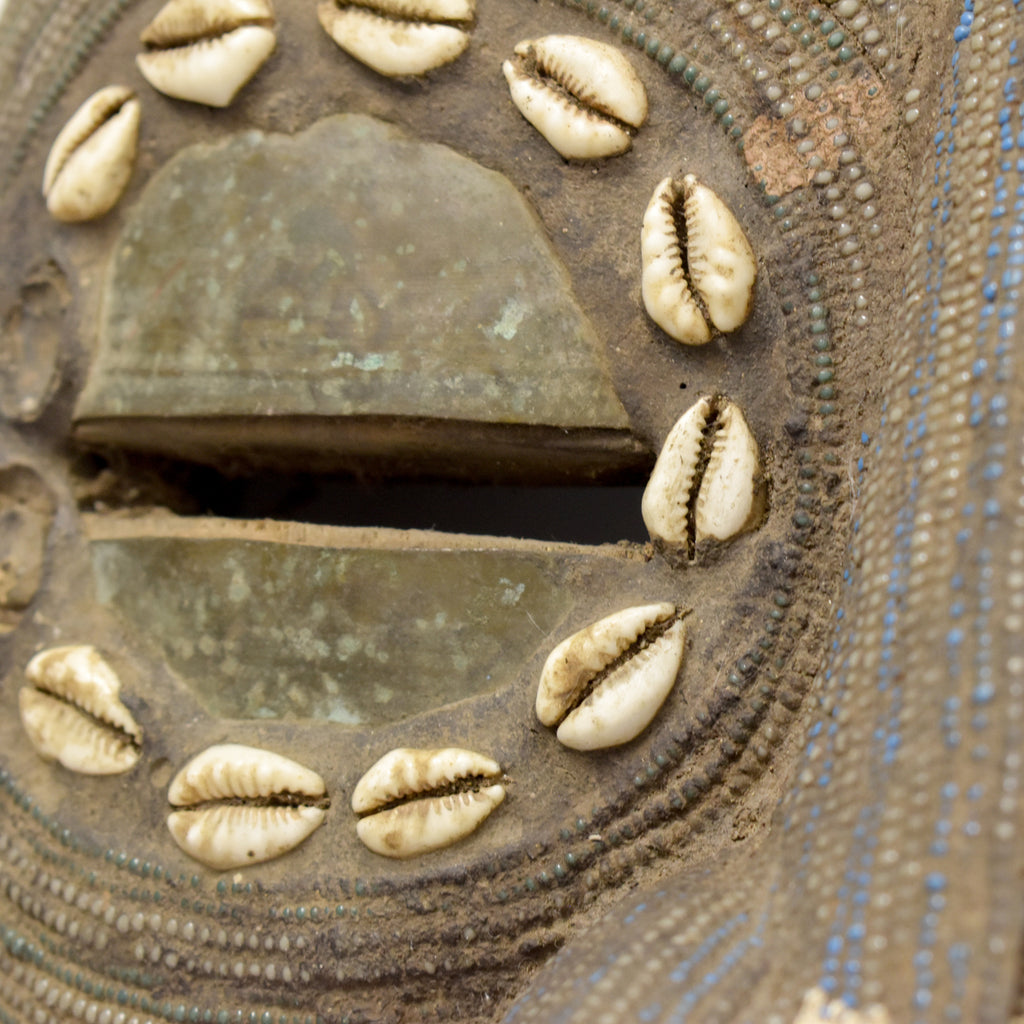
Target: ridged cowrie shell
581,95
73,713
399,37
204,52
707,482
91,160
698,267
606,683
417,801
287,802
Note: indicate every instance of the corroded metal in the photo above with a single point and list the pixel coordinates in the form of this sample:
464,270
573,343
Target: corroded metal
364,307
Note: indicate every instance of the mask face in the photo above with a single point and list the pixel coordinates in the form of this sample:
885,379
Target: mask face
368,410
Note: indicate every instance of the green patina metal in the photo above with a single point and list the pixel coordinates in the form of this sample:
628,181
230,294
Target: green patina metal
348,270
271,630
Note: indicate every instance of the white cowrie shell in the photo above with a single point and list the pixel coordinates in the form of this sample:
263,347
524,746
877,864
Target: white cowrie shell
224,838
91,160
290,805
428,818
724,469
702,280
605,683
74,714
817,1008
206,52
595,95
398,38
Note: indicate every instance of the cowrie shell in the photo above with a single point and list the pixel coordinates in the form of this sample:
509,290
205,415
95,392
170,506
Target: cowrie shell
73,713
817,1008
399,37
603,685
287,802
91,160
580,94
416,801
702,278
206,52
707,481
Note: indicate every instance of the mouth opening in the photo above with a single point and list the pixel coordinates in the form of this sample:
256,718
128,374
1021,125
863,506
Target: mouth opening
573,514
586,513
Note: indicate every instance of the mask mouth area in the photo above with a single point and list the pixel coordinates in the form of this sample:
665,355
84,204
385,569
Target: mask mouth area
586,512
270,619
573,514
355,600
